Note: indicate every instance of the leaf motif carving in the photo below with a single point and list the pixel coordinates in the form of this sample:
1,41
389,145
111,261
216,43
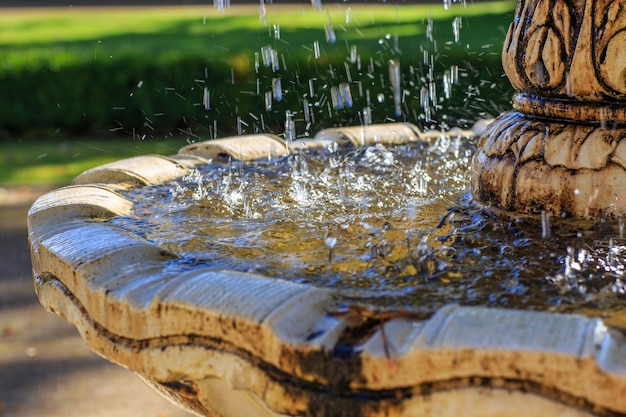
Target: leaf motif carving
610,56
612,66
563,22
544,65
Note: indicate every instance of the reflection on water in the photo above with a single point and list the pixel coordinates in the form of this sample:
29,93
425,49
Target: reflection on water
394,221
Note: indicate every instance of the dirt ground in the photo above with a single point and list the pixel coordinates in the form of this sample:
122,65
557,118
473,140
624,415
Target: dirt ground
45,368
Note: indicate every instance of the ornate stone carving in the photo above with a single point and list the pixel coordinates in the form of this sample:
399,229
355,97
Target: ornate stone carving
561,149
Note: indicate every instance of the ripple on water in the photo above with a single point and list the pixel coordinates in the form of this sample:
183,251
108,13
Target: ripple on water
393,226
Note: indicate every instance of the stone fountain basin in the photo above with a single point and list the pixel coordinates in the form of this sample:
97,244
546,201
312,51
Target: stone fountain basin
226,343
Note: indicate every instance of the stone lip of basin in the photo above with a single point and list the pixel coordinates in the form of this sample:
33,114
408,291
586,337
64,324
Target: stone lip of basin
227,343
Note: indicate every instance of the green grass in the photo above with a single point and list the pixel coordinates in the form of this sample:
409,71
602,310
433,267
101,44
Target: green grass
58,38
56,163
119,74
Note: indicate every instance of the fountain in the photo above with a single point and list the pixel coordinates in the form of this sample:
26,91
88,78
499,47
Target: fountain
223,341
561,149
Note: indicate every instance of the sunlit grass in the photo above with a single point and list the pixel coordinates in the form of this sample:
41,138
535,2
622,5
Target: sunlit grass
64,36
50,26
61,40
56,163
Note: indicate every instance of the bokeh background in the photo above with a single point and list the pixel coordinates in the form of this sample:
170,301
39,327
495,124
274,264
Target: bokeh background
84,82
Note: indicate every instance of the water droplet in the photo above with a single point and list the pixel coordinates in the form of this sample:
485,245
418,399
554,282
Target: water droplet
262,13
275,62
206,99
268,100
335,97
367,116
447,84
290,127
306,111
329,31
346,95
353,54
277,89
394,78
221,4
456,28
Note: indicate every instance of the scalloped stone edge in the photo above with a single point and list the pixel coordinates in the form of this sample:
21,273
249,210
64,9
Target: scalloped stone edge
277,342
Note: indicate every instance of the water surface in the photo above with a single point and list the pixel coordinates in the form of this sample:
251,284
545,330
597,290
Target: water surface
390,227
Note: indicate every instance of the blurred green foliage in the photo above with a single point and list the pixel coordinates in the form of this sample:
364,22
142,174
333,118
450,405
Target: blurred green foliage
143,72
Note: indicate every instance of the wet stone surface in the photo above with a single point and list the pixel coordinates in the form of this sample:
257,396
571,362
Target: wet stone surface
390,227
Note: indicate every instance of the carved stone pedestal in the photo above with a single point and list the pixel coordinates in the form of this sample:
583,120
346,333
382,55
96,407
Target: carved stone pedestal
561,149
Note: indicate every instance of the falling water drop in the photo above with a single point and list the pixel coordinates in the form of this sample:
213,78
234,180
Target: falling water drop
394,79
221,4
447,84
306,111
316,4
335,97
263,13
290,127
456,28
348,73
345,94
277,89
206,99
353,54
329,31
429,29
454,74
268,101
316,49
367,116
274,59
266,54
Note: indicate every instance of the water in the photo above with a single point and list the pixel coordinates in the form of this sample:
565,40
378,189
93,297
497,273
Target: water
391,227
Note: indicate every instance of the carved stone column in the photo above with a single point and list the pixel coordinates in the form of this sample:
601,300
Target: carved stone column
563,147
